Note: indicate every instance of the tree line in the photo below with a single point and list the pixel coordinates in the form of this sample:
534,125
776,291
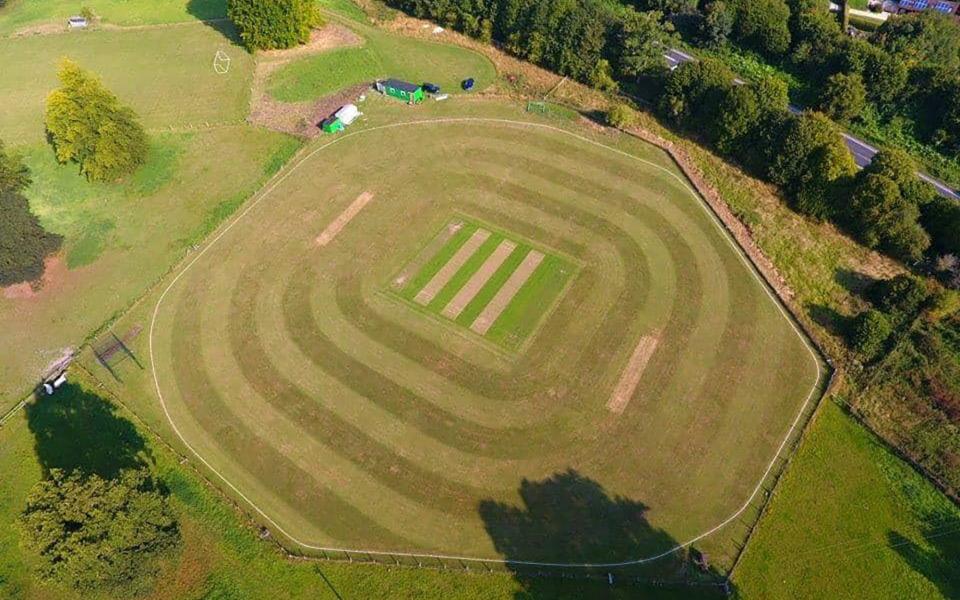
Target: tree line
606,44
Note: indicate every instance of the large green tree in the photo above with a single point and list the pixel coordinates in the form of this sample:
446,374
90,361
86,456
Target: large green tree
884,219
810,161
843,97
642,37
762,24
268,24
88,125
93,533
693,91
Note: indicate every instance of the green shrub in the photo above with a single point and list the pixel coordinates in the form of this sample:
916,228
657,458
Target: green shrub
93,533
620,115
870,332
882,218
24,244
88,125
268,24
901,297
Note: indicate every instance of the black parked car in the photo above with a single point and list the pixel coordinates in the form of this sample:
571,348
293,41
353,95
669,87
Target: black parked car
431,88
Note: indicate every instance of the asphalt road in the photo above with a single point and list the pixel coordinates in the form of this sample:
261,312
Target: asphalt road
862,152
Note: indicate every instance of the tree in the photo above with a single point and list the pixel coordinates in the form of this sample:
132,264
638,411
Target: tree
871,330
843,97
716,24
924,37
692,92
641,39
601,77
14,175
737,116
268,24
941,218
24,243
900,167
88,125
812,159
883,219
762,24
92,532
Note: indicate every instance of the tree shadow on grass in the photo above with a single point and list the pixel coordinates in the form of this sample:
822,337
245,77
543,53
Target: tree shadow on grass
831,320
78,430
940,562
569,518
213,14
855,282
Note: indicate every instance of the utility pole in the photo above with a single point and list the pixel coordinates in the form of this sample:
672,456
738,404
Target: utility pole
844,14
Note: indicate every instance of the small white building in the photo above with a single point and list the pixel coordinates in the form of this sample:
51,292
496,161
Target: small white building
77,23
348,113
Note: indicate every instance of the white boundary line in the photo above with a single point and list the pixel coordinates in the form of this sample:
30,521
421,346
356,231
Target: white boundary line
281,177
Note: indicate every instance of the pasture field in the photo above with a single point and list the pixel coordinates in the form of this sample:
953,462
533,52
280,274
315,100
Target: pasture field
381,55
353,420
849,515
28,16
165,74
119,238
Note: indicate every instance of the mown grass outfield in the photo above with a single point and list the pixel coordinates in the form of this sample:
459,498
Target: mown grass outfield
165,74
352,419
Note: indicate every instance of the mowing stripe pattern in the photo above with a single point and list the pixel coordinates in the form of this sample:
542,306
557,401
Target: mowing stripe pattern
525,338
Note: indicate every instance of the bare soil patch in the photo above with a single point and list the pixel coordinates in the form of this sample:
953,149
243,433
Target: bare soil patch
505,294
428,252
343,219
300,118
447,271
479,279
631,375
326,38
54,271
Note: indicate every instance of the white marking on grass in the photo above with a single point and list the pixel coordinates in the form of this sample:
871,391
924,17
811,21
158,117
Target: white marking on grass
476,282
447,271
632,373
491,312
337,225
282,175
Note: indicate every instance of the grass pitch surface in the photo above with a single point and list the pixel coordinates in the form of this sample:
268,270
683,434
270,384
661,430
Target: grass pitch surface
353,421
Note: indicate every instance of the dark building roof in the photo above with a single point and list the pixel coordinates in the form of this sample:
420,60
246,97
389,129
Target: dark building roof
401,85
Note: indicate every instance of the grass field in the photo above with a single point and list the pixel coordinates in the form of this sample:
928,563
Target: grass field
221,557
382,55
165,74
849,515
409,434
527,304
120,238
19,15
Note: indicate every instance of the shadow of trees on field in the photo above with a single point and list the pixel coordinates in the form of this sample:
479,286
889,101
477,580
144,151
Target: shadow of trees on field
76,430
570,518
827,317
214,15
939,564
